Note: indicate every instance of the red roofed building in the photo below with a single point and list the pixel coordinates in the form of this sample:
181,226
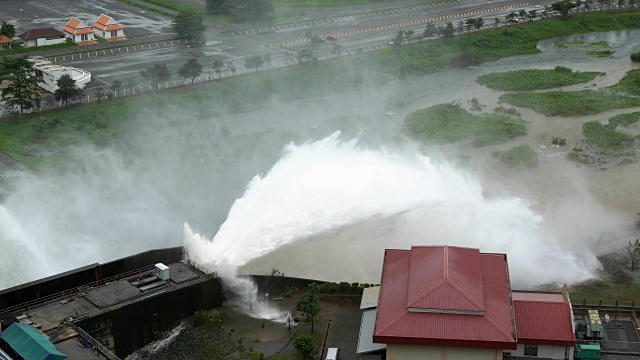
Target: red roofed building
107,28
544,323
42,37
79,32
445,302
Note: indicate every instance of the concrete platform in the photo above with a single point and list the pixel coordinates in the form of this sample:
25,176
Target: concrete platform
112,294
180,272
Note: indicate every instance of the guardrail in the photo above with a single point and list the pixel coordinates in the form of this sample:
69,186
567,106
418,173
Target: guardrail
602,303
95,343
77,290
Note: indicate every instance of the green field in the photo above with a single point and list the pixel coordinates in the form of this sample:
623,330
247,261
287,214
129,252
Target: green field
326,3
624,120
519,80
522,156
19,49
624,94
450,123
605,140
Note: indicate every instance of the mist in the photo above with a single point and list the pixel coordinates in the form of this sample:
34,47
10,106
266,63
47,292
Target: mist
317,189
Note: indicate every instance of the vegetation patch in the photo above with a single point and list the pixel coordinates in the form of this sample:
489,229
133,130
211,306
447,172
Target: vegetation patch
625,94
19,49
606,140
522,156
635,57
450,123
623,120
326,3
601,53
519,80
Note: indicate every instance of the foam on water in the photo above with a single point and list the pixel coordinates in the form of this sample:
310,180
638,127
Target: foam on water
320,188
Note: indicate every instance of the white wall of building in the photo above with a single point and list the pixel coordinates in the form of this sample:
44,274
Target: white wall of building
108,34
78,37
414,352
546,351
43,42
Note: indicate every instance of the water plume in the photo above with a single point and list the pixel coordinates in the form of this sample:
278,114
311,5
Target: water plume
328,209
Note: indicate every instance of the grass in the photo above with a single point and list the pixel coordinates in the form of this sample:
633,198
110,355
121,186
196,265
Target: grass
493,44
601,53
635,57
519,80
450,123
624,120
148,8
177,7
604,289
522,156
605,140
19,49
625,94
325,3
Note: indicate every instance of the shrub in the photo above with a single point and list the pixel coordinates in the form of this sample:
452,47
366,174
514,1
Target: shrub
562,69
635,57
304,345
522,156
207,318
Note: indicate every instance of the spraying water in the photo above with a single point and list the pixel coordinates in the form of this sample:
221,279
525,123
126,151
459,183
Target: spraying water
331,207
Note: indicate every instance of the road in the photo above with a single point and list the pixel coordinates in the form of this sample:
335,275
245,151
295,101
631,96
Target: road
365,31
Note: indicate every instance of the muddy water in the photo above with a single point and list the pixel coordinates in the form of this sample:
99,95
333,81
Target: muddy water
617,188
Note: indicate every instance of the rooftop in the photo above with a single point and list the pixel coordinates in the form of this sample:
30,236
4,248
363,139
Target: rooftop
543,318
106,23
445,296
75,26
40,33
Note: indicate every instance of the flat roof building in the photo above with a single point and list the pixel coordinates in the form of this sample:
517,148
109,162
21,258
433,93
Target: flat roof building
49,73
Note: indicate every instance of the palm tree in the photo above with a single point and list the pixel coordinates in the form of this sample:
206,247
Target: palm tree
479,23
496,22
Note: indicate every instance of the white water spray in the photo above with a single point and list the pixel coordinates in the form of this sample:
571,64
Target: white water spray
331,208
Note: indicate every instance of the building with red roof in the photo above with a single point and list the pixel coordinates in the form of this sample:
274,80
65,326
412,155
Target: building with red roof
79,32
446,302
107,28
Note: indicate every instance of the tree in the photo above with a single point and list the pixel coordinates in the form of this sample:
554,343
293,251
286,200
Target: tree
156,74
231,67
470,23
217,66
396,42
479,23
276,283
511,18
304,345
633,250
307,57
267,59
448,30
621,4
496,22
315,41
309,305
249,10
216,7
620,276
99,93
130,84
563,7
116,86
190,25
408,35
67,89
253,62
632,3
430,31
532,14
191,69
460,28
22,83
8,30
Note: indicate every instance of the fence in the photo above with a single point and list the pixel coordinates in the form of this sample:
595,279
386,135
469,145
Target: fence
103,350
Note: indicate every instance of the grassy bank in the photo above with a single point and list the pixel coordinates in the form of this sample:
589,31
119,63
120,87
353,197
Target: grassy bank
606,140
586,102
19,49
519,80
522,156
623,120
449,123
493,44
568,44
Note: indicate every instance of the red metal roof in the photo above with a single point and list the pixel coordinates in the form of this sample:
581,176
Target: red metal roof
543,318
445,296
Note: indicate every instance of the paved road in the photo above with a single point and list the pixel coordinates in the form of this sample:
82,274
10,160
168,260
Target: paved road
365,31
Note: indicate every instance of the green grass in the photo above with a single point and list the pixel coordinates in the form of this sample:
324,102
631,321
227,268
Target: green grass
604,289
177,7
19,49
625,94
493,44
450,123
601,53
522,156
624,120
519,80
605,140
325,3
148,8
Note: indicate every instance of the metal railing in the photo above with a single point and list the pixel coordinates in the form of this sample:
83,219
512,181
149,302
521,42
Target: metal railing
96,344
607,304
77,290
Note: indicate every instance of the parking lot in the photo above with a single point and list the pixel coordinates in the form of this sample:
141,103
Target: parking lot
56,13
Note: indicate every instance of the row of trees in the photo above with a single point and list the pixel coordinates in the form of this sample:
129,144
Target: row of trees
7,29
241,10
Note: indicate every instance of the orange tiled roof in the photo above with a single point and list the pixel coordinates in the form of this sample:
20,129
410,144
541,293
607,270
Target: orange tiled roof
75,26
5,39
106,23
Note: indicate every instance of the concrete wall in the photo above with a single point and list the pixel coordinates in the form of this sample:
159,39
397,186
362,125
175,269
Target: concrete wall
546,352
413,352
43,42
107,34
82,276
128,328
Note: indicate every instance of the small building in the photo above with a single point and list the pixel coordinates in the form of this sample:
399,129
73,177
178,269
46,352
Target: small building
42,37
5,42
49,73
79,32
29,343
107,28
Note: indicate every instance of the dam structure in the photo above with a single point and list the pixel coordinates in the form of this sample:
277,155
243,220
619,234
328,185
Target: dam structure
110,310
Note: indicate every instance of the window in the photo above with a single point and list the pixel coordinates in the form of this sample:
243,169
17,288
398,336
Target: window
531,350
84,37
114,33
